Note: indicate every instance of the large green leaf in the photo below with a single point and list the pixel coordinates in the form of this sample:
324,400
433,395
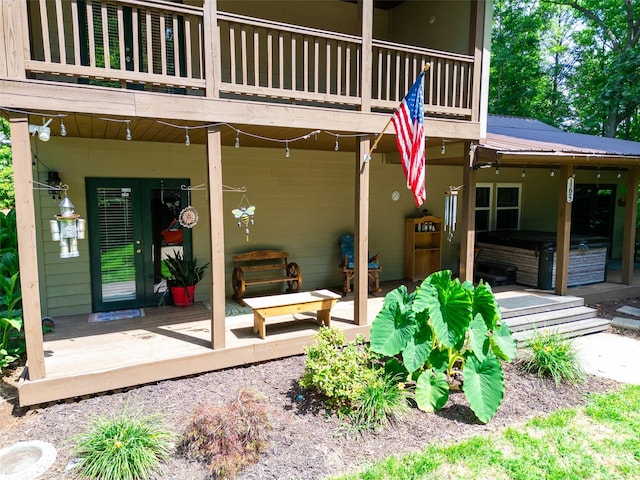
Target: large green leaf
439,360
485,304
432,391
503,344
395,368
483,386
449,310
15,323
394,326
478,337
417,351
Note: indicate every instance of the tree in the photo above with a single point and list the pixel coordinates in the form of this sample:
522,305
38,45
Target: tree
606,84
7,195
527,69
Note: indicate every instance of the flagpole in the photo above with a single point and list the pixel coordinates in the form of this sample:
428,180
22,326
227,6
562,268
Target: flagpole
375,144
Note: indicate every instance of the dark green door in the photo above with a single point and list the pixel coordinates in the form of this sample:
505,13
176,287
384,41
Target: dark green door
132,223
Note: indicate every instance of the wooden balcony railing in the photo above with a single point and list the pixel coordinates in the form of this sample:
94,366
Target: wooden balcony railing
159,45
118,43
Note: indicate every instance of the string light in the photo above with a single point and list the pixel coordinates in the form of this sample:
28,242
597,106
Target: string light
187,141
552,172
524,173
128,132
619,174
598,173
497,170
63,129
287,152
237,144
443,150
337,147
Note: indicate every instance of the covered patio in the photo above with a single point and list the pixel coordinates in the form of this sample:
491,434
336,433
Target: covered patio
83,358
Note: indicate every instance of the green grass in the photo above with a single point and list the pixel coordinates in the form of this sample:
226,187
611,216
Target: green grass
598,441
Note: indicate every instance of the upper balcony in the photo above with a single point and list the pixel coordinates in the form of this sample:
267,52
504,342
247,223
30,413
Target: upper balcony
191,49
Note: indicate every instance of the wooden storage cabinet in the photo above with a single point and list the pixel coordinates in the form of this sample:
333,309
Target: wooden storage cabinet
423,246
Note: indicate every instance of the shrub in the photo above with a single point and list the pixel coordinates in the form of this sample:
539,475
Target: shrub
352,382
12,343
227,438
380,401
122,448
339,372
443,332
551,355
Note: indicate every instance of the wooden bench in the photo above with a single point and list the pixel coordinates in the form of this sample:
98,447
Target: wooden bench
319,301
258,268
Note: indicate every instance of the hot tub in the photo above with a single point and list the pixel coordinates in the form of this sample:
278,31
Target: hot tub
533,254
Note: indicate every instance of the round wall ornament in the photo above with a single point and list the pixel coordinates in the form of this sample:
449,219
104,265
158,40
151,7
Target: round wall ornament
188,217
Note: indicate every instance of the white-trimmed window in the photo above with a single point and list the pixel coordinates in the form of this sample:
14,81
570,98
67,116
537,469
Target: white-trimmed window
484,206
498,206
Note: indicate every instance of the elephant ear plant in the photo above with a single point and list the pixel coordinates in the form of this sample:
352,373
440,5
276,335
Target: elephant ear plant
444,333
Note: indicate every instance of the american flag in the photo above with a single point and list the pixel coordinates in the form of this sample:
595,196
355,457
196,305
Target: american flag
408,120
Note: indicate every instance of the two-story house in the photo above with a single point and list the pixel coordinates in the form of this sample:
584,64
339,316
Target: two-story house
142,108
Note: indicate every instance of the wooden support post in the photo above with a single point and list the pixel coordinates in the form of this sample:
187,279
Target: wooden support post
214,161
468,224
361,251
14,39
27,244
366,22
212,60
630,218
563,239
476,36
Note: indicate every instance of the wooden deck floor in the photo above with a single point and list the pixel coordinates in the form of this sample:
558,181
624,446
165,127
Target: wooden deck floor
84,358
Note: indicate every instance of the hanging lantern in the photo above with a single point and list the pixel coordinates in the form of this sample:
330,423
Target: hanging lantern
67,228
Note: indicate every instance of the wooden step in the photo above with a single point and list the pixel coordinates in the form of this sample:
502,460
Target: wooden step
567,330
527,304
550,318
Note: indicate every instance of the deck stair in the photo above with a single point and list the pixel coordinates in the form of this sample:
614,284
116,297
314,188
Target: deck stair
526,312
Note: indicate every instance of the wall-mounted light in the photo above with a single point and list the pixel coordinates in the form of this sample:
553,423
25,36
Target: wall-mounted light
43,131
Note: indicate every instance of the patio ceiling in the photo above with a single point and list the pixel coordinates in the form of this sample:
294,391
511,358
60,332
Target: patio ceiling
169,131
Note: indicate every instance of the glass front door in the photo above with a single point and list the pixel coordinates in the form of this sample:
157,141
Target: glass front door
132,223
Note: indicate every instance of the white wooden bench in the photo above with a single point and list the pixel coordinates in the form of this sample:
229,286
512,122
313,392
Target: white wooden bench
319,301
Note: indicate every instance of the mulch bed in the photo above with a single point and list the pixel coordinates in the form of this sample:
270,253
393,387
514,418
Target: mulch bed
305,442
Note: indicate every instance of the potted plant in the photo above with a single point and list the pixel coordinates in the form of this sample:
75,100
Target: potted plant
184,274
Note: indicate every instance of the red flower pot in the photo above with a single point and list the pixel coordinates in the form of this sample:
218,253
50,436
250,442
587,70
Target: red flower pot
182,296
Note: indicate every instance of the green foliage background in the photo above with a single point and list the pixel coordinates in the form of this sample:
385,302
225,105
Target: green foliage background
7,197
570,63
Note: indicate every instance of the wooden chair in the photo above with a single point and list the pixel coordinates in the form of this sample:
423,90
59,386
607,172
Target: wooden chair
346,243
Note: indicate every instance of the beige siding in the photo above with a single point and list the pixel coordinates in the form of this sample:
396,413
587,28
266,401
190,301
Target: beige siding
440,25
303,203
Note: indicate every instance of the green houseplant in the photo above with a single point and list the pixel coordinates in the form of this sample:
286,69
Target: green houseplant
184,274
